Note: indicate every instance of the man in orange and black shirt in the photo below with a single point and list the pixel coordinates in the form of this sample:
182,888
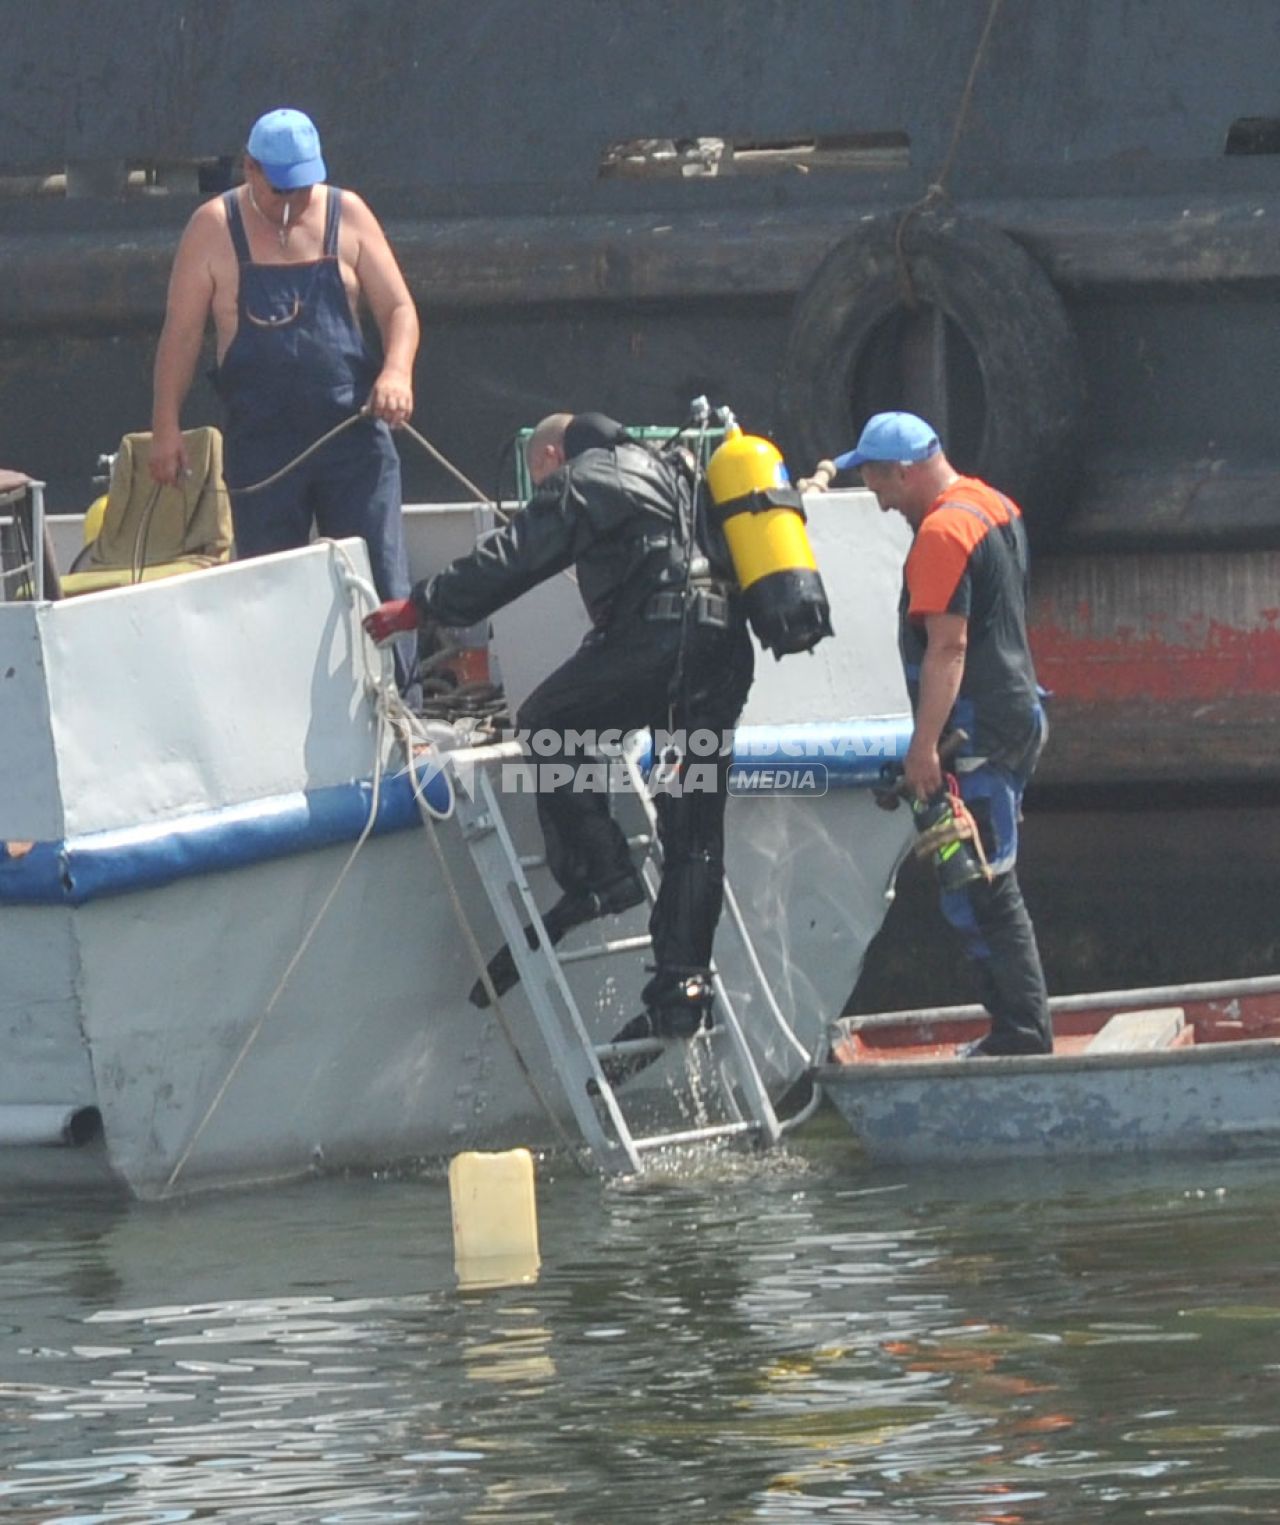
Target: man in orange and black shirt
963,637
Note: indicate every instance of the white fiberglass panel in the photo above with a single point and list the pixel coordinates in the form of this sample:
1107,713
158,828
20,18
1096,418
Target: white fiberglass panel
232,684
30,810
859,550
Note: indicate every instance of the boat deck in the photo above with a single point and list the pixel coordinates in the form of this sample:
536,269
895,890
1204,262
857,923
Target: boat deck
911,1039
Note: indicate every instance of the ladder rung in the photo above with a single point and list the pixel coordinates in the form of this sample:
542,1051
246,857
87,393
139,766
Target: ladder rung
539,860
695,1135
480,814
607,949
631,1047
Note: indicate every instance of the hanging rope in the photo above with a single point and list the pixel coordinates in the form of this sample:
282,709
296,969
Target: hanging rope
937,188
392,716
436,455
243,492
142,535
383,711
403,724
480,497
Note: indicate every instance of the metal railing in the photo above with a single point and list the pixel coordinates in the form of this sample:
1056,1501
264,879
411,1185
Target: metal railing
28,531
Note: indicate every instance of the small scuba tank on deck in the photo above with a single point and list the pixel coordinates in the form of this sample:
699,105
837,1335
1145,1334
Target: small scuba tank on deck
762,518
942,839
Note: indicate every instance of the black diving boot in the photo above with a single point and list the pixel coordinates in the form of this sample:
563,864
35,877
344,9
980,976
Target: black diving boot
571,910
679,1002
677,1007
621,1067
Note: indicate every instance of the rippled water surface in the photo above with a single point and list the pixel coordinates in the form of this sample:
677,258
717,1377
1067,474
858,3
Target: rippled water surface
790,1339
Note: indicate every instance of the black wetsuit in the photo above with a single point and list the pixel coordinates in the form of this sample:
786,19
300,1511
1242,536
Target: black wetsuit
667,650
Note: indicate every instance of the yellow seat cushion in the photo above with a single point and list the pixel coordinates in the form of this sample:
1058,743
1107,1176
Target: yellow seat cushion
170,529
122,577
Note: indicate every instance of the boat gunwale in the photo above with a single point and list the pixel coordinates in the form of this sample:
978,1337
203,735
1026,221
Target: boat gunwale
1134,997
880,1070
874,1071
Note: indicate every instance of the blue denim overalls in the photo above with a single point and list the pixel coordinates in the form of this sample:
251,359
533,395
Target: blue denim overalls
296,367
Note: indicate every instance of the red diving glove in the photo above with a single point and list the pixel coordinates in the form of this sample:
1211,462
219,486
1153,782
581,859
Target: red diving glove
391,618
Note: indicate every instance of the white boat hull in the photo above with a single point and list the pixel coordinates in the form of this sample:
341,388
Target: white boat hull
193,762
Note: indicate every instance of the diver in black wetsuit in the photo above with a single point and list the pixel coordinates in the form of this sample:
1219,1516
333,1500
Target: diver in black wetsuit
668,650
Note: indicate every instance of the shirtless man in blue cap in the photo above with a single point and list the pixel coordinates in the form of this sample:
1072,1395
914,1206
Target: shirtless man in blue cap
282,263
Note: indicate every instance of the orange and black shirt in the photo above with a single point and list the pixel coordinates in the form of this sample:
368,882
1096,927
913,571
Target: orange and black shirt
970,558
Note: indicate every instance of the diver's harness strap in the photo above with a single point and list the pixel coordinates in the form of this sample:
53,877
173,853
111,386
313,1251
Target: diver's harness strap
709,605
761,502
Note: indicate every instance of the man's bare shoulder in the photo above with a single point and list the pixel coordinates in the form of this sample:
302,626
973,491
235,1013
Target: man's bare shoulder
364,243
206,241
356,211
207,225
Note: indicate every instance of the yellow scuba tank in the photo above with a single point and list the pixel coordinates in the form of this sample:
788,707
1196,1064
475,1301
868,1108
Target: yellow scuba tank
762,518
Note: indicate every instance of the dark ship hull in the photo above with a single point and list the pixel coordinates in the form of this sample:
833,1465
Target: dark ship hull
622,206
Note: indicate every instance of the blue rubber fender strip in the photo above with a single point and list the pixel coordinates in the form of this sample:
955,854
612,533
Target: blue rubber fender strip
126,859
147,856
853,752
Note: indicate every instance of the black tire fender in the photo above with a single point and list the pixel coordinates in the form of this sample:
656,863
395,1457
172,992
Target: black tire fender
1015,407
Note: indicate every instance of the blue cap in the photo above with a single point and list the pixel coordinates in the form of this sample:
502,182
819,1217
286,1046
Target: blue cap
892,437
287,146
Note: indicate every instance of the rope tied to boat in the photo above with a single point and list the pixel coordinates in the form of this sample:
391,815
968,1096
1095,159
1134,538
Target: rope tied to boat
392,718
402,722
442,700
330,434
405,726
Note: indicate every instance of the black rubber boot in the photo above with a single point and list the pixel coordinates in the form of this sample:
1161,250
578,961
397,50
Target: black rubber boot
679,1007
622,1067
571,910
678,1003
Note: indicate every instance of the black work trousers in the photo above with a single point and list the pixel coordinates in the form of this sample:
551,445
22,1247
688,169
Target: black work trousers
1000,941
622,680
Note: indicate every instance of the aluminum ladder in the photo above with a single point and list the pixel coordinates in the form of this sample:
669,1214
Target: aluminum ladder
575,1056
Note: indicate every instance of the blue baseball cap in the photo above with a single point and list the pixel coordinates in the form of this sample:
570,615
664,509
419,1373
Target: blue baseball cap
287,146
898,437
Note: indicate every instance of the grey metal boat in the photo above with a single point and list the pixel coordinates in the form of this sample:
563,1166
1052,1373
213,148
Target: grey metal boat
1179,1069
